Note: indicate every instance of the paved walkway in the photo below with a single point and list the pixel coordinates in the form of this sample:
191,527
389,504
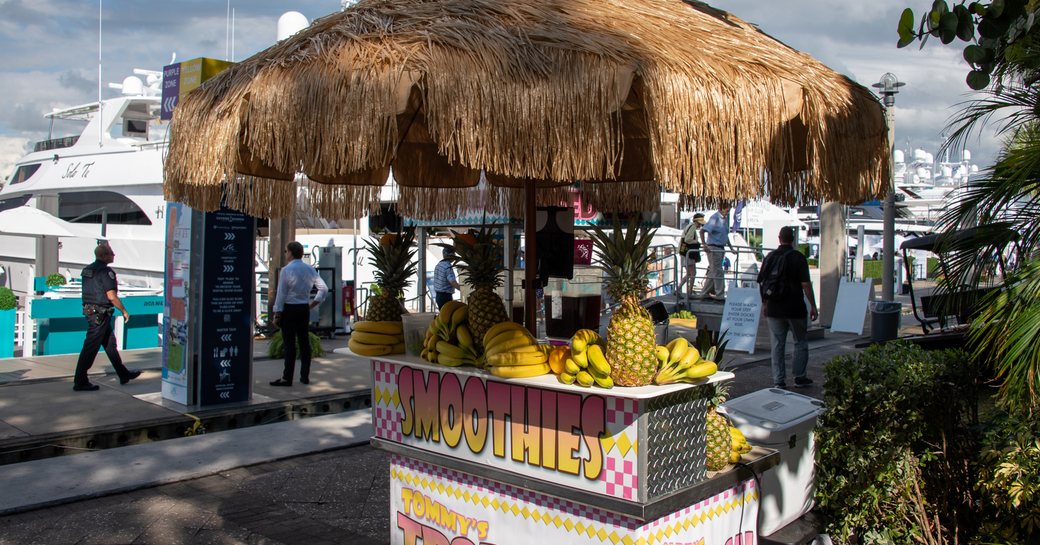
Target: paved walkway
304,481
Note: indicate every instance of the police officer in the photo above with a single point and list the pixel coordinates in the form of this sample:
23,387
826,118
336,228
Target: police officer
100,297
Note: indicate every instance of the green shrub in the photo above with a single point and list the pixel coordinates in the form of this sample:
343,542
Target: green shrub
894,447
7,299
276,348
55,280
1009,479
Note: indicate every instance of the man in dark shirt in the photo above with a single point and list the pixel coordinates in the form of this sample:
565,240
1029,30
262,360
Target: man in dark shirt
100,297
787,312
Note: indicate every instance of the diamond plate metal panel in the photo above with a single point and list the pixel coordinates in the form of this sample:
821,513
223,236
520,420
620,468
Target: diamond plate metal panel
675,438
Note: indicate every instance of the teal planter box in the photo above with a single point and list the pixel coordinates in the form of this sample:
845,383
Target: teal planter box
61,327
7,321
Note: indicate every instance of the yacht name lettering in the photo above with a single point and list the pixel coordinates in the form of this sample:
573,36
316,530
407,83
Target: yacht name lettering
74,170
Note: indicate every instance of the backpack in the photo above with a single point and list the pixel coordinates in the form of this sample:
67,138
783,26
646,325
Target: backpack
774,285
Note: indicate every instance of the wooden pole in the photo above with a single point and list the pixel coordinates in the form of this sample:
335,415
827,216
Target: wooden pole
530,258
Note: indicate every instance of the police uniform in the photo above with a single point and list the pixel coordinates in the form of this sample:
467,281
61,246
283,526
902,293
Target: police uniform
98,279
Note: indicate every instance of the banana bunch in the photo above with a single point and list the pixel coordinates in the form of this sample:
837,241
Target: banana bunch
681,362
448,339
740,445
377,338
587,364
510,351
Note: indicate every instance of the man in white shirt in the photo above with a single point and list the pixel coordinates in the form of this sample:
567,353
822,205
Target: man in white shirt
292,311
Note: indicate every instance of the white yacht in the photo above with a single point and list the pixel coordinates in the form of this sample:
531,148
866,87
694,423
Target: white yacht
104,181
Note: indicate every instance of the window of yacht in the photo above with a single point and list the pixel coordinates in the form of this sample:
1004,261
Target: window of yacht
24,172
14,202
87,207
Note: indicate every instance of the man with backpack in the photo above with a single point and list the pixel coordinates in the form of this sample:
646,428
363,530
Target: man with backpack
785,285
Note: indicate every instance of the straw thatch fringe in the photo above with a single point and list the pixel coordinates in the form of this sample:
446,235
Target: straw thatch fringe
339,201
662,91
261,197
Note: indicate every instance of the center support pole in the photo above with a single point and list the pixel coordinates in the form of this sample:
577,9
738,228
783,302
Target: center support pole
530,258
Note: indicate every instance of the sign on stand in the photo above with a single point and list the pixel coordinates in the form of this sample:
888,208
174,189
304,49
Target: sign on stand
175,362
225,319
740,318
850,309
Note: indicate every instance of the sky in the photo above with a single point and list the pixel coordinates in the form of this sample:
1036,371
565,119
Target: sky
49,53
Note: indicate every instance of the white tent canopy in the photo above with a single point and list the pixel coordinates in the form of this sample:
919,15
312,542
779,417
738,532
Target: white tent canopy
31,222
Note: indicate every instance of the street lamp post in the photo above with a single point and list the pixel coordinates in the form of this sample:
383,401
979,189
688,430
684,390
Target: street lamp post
887,88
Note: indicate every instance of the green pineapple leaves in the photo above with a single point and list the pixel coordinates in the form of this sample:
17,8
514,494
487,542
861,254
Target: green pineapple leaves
392,255
623,256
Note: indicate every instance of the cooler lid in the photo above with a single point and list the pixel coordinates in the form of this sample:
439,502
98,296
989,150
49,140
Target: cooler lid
774,408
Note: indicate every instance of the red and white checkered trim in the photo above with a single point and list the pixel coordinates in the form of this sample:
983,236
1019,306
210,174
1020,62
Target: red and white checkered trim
621,478
621,412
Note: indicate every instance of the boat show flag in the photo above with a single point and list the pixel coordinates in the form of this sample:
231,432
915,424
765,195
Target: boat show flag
181,78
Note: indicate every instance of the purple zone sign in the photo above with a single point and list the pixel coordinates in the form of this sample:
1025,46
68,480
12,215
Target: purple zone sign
171,90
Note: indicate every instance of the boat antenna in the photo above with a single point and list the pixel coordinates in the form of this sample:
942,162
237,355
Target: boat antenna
101,105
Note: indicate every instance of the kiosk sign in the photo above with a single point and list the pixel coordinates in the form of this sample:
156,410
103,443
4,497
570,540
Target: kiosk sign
226,330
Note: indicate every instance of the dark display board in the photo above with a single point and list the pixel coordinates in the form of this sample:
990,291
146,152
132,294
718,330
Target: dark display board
226,321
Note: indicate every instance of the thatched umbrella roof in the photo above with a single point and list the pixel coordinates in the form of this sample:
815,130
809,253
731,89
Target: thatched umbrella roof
674,95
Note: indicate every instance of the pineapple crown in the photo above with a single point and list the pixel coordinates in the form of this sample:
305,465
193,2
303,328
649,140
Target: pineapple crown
392,256
720,395
480,256
623,257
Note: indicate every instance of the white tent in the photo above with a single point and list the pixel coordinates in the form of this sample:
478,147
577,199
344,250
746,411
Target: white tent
32,222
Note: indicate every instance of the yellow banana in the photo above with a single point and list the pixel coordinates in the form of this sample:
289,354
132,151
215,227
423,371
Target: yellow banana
499,328
583,378
662,354
520,371
446,348
597,359
569,366
677,349
386,327
362,349
566,378
519,344
447,310
506,336
367,337
734,456
737,435
588,335
459,316
578,345
513,359
452,361
702,369
464,335
603,382
581,358
397,348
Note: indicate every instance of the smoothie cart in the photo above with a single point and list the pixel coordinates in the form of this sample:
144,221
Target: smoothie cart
479,459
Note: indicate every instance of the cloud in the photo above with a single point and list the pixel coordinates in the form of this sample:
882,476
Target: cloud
11,149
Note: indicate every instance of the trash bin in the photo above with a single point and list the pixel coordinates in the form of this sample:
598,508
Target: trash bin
885,317
783,421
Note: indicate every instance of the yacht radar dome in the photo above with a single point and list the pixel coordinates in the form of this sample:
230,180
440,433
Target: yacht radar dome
290,23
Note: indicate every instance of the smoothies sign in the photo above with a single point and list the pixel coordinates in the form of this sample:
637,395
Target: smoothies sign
546,429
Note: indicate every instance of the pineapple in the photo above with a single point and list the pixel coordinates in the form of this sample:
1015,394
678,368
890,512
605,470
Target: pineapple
392,259
480,258
631,343
719,441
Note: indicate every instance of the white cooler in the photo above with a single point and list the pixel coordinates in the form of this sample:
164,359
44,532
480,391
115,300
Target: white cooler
782,421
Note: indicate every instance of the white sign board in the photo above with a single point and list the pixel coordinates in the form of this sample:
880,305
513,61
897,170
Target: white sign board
850,310
740,318
435,505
